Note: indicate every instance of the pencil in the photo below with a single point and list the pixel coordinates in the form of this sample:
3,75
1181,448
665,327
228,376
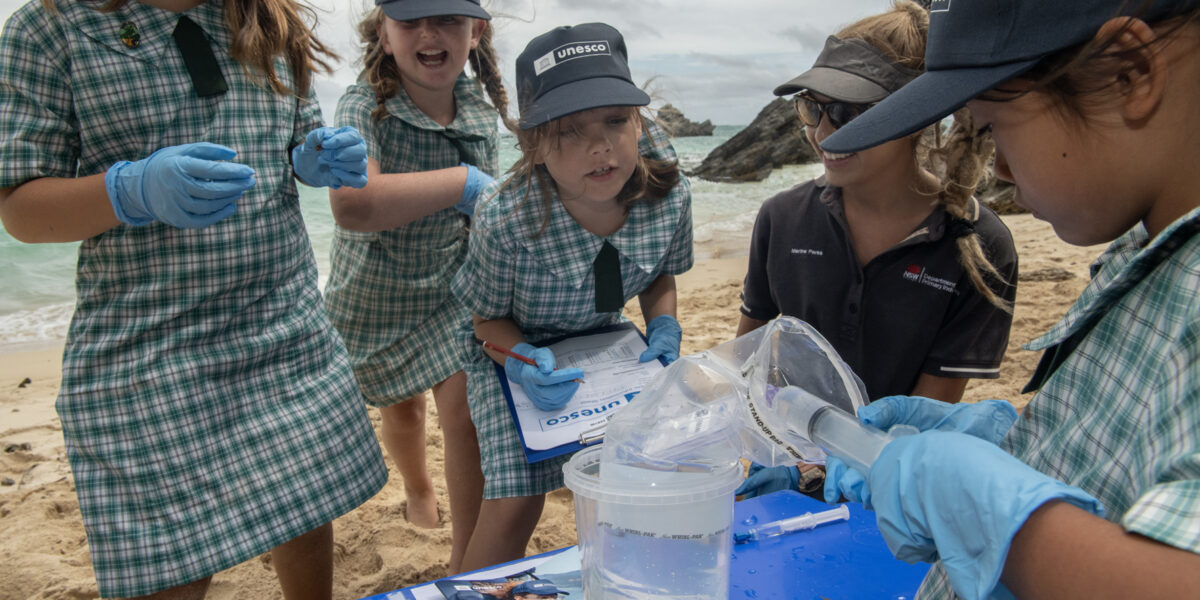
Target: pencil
520,357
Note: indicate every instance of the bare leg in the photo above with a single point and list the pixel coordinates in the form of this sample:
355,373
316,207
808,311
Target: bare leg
188,591
304,565
403,435
464,479
503,530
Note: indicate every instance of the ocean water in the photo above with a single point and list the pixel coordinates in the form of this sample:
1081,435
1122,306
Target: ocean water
38,293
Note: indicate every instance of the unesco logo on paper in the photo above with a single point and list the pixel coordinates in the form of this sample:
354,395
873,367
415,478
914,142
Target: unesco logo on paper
570,51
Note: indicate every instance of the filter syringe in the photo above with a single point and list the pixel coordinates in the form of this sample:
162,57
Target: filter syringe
790,524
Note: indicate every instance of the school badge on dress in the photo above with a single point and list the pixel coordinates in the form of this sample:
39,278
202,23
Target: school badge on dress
129,34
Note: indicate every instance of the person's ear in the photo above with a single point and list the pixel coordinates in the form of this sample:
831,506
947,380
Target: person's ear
381,31
477,32
1143,69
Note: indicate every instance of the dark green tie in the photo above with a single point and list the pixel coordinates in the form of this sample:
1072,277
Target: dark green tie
199,59
610,295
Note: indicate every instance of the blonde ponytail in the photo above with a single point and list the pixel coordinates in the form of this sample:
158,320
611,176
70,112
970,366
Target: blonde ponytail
960,163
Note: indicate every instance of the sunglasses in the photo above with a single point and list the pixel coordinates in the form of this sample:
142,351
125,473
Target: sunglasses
838,113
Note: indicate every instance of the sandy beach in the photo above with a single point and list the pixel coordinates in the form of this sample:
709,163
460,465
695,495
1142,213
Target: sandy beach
43,549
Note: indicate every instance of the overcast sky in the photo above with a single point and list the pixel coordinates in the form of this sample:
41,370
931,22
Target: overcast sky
713,59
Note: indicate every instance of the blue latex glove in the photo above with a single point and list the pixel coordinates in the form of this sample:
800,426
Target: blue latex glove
331,158
549,389
956,497
476,181
663,334
189,186
764,480
989,420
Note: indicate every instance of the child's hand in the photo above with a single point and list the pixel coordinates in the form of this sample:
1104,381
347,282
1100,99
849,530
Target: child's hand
476,181
952,496
989,420
549,389
764,480
189,186
664,334
331,158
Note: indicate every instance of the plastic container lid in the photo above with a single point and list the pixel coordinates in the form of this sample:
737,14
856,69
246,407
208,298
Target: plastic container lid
582,476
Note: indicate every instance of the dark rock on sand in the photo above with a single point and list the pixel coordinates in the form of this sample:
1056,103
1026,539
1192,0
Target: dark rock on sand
775,138
678,125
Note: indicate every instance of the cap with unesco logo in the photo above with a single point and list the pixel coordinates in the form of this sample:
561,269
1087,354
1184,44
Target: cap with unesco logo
976,45
411,10
571,69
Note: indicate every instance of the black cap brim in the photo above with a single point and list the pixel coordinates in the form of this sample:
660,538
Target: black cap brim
835,84
411,10
578,96
922,102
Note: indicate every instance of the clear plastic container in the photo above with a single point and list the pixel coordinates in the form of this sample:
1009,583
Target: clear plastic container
645,533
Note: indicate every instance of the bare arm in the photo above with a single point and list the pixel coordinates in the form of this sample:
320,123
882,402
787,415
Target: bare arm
56,209
502,332
946,389
659,298
746,325
391,200
1063,552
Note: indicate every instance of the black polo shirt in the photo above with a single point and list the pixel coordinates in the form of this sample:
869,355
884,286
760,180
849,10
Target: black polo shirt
911,310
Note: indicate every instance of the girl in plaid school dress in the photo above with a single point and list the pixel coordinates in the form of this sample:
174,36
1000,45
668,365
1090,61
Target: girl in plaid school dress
1094,491
596,181
208,407
431,147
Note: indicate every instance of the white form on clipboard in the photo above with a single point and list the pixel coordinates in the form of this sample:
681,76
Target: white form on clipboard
612,375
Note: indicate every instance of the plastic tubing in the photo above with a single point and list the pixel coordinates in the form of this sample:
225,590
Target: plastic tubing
835,430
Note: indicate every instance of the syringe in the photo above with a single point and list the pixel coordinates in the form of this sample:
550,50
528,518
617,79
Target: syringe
790,524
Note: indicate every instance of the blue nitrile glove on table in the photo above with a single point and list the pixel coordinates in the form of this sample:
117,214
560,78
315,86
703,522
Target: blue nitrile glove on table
762,480
663,335
476,181
188,186
331,158
953,496
549,389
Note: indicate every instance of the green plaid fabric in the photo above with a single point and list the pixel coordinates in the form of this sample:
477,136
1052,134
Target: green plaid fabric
208,406
389,292
544,283
1118,418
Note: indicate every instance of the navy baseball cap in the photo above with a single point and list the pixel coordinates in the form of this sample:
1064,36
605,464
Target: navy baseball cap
411,10
976,45
851,71
572,69
537,587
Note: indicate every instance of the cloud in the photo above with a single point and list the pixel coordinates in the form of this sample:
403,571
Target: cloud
719,58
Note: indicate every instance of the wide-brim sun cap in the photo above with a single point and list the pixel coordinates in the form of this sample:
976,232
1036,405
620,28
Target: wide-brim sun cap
411,10
975,46
850,70
572,69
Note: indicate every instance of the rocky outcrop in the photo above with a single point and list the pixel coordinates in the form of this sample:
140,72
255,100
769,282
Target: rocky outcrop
678,125
773,139
998,195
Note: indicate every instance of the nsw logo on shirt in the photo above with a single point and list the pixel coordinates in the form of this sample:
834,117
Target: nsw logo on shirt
917,274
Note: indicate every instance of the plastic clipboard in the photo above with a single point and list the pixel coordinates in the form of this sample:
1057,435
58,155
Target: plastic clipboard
586,438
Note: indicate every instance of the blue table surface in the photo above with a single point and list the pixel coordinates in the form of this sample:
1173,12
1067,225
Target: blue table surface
845,560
